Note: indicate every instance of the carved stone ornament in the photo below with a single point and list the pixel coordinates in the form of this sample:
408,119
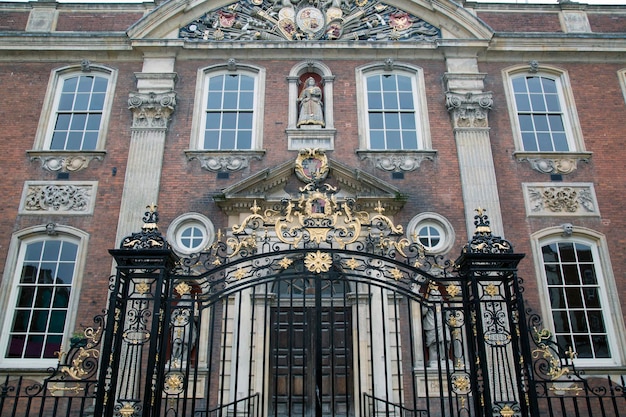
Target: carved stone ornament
65,161
553,165
151,110
301,20
398,161
58,198
547,199
469,110
224,161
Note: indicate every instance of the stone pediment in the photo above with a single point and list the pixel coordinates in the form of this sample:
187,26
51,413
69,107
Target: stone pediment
211,22
269,186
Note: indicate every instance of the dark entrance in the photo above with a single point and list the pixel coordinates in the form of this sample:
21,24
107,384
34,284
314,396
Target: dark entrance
311,353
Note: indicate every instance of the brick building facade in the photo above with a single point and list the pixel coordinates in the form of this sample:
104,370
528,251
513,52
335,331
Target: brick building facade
433,107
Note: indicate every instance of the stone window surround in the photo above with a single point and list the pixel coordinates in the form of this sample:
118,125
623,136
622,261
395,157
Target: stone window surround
395,160
11,275
548,162
448,236
605,272
188,219
70,161
227,160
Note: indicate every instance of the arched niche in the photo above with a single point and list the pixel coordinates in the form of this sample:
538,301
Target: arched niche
316,135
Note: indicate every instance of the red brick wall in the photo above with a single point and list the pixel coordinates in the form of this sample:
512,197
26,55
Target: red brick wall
607,23
521,22
96,22
13,20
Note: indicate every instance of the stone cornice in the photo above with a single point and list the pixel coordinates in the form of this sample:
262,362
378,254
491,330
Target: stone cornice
151,110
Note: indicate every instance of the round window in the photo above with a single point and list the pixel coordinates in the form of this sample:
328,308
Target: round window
189,233
433,231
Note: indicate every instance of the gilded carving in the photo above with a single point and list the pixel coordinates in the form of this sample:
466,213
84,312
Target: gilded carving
151,110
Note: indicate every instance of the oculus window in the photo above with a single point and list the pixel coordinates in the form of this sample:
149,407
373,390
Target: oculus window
190,233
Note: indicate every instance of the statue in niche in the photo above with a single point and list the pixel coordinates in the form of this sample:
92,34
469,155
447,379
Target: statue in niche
311,106
435,329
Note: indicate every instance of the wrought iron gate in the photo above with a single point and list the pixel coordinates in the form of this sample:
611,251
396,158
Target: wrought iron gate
314,310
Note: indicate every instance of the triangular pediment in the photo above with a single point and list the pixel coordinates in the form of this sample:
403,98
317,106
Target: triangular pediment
215,21
270,186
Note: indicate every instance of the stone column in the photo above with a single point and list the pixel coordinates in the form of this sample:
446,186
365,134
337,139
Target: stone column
152,107
469,111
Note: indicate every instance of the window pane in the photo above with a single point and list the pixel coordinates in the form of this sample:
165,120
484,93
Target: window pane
231,83
523,102
97,102
601,346
393,140
557,298
244,140
66,103
549,86
246,83
211,140
561,321
84,84
376,121
566,250
100,85
373,83
537,103
69,85
552,103
541,123
81,103
213,120
529,142
390,101
582,346
245,121
229,120
246,100
34,347
44,297
78,122
545,142
553,274
214,101
25,296
74,141
578,321
227,139
409,140
406,101
574,298
58,140
389,83
392,120
534,84
377,139
596,321
230,100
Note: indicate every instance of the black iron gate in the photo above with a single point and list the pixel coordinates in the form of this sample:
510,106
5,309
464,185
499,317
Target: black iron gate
319,318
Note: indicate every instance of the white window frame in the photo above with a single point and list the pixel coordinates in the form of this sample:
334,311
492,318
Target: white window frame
47,120
609,299
11,278
416,75
199,119
570,119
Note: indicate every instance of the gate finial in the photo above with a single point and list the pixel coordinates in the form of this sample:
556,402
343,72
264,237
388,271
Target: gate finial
483,240
149,237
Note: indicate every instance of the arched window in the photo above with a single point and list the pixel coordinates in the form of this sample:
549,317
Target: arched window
227,114
393,113
542,109
77,107
578,294
41,285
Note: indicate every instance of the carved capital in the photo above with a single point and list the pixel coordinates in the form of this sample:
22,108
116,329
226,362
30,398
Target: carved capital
398,161
65,161
469,110
151,110
222,161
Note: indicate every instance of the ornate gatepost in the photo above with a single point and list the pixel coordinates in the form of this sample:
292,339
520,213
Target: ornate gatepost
497,336
133,345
